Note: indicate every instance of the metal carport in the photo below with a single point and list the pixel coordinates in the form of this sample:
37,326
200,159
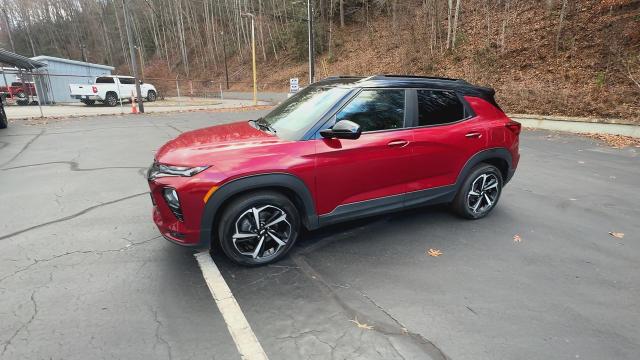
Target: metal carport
23,63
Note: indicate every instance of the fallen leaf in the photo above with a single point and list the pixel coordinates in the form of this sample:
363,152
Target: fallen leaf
618,235
517,238
616,141
361,325
434,252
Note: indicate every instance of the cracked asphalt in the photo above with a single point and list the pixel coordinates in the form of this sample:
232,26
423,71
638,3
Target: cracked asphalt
84,274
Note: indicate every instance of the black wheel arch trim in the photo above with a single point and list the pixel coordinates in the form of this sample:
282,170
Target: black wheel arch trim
255,182
493,153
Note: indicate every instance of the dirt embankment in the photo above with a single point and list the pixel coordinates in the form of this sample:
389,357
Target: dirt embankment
586,71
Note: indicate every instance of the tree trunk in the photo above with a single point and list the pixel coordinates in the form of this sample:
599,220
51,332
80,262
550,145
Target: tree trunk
455,24
562,15
449,20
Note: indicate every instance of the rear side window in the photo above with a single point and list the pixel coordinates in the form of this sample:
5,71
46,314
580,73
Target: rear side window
381,109
104,80
437,107
127,81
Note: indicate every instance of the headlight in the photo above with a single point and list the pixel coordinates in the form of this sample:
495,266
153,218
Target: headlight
160,170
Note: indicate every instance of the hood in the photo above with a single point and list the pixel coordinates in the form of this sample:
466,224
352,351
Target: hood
202,146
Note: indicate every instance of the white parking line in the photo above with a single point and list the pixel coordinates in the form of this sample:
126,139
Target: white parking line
248,345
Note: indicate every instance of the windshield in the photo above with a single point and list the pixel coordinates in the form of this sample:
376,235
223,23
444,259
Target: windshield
296,115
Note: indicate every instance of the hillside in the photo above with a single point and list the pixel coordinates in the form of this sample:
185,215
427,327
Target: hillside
569,57
588,75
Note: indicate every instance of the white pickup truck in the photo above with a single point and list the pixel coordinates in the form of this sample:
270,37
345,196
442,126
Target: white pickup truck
110,89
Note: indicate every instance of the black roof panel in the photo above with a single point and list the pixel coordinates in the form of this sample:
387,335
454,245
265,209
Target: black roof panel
410,81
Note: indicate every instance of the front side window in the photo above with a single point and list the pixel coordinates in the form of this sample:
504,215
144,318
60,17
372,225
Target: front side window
127,81
376,109
437,107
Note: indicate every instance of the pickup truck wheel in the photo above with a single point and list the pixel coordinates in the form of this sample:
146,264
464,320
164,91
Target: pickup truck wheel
259,228
151,96
111,99
21,98
89,102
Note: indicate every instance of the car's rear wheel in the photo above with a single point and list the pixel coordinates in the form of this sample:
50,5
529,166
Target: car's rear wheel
22,98
111,99
479,193
259,228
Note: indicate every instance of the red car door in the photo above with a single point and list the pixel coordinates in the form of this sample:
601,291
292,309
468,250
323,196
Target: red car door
446,136
369,174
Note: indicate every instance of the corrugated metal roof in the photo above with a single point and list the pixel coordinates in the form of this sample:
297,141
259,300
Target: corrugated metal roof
20,61
69,61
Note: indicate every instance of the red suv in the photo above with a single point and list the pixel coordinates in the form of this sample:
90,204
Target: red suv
342,148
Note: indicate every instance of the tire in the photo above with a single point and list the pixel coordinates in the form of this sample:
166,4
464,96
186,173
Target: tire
22,98
4,122
89,102
473,201
239,237
151,96
111,99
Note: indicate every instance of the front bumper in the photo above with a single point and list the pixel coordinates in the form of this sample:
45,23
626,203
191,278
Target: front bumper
191,192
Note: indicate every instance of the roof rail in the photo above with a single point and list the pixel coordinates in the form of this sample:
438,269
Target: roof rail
338,77
384,76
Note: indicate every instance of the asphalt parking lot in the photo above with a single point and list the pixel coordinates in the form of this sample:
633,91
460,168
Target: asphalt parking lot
84,274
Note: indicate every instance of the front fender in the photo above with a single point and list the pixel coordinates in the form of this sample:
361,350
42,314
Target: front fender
290,182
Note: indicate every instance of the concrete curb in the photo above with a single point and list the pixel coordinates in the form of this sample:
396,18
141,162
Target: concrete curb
576,125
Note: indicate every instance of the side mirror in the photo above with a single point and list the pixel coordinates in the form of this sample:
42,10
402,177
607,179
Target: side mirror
141,82
343,129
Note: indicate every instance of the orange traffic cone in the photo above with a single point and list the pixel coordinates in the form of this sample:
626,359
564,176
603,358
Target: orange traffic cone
134,108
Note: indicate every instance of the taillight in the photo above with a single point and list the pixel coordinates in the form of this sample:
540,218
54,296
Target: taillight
514,126
94,89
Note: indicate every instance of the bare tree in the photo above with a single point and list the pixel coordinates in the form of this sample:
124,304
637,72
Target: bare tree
455,24
563,11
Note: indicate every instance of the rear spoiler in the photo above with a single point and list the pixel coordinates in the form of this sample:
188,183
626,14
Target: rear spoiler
485,93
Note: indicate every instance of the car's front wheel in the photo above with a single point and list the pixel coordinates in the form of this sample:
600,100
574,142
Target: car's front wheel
259,228
479,193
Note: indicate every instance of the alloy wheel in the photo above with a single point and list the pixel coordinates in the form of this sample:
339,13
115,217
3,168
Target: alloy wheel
483,193
261,232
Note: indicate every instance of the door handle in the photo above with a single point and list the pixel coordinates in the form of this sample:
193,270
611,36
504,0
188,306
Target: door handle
398,143
476,135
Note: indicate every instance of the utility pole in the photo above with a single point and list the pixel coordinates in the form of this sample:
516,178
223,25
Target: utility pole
311,52
224,52
253,55
84,54
141,62
132,52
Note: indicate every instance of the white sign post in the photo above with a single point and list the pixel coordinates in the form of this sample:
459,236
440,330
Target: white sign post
293,85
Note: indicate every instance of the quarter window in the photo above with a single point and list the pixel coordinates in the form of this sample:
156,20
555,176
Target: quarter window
438,107
380,109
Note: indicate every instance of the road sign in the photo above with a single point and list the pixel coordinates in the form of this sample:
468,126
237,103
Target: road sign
293,85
